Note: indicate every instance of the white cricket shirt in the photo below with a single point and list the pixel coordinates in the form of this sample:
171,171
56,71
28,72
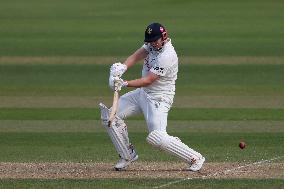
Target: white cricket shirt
163,62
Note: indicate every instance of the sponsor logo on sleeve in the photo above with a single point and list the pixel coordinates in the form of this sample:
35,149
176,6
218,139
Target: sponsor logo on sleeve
159,69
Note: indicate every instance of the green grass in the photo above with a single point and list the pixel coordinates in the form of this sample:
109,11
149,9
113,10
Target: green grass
141,183
94,145
87,141
139,126
92,80
87,28
174,114
52,49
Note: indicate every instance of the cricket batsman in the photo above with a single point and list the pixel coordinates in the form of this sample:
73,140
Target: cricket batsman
153,97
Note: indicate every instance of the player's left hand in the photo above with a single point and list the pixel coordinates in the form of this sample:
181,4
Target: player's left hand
116,83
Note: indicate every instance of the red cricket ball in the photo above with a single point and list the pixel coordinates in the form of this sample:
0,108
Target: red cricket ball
242,145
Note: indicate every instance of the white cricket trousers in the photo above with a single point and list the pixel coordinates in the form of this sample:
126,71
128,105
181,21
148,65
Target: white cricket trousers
138,101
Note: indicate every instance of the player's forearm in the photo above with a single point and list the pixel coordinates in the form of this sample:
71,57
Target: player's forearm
135,57
142,82
130,61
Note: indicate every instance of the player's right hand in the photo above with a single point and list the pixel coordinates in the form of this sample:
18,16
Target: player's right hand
117,69
116,83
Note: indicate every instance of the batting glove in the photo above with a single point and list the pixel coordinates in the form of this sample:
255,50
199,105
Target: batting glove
117,69
116,83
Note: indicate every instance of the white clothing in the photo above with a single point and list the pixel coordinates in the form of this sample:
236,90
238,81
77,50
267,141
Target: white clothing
155,100
137,102
163,62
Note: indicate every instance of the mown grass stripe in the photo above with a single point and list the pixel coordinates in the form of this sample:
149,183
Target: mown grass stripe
139,183
92,80
175,114
97,146
91,60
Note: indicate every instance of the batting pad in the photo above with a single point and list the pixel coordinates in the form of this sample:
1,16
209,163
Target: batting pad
173,145
117,132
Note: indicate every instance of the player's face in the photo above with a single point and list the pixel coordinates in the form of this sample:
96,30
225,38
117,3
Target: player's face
157,44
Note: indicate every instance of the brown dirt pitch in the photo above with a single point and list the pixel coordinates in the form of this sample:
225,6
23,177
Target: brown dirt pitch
139,170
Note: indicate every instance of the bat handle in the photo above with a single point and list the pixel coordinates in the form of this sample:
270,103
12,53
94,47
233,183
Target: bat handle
114,107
